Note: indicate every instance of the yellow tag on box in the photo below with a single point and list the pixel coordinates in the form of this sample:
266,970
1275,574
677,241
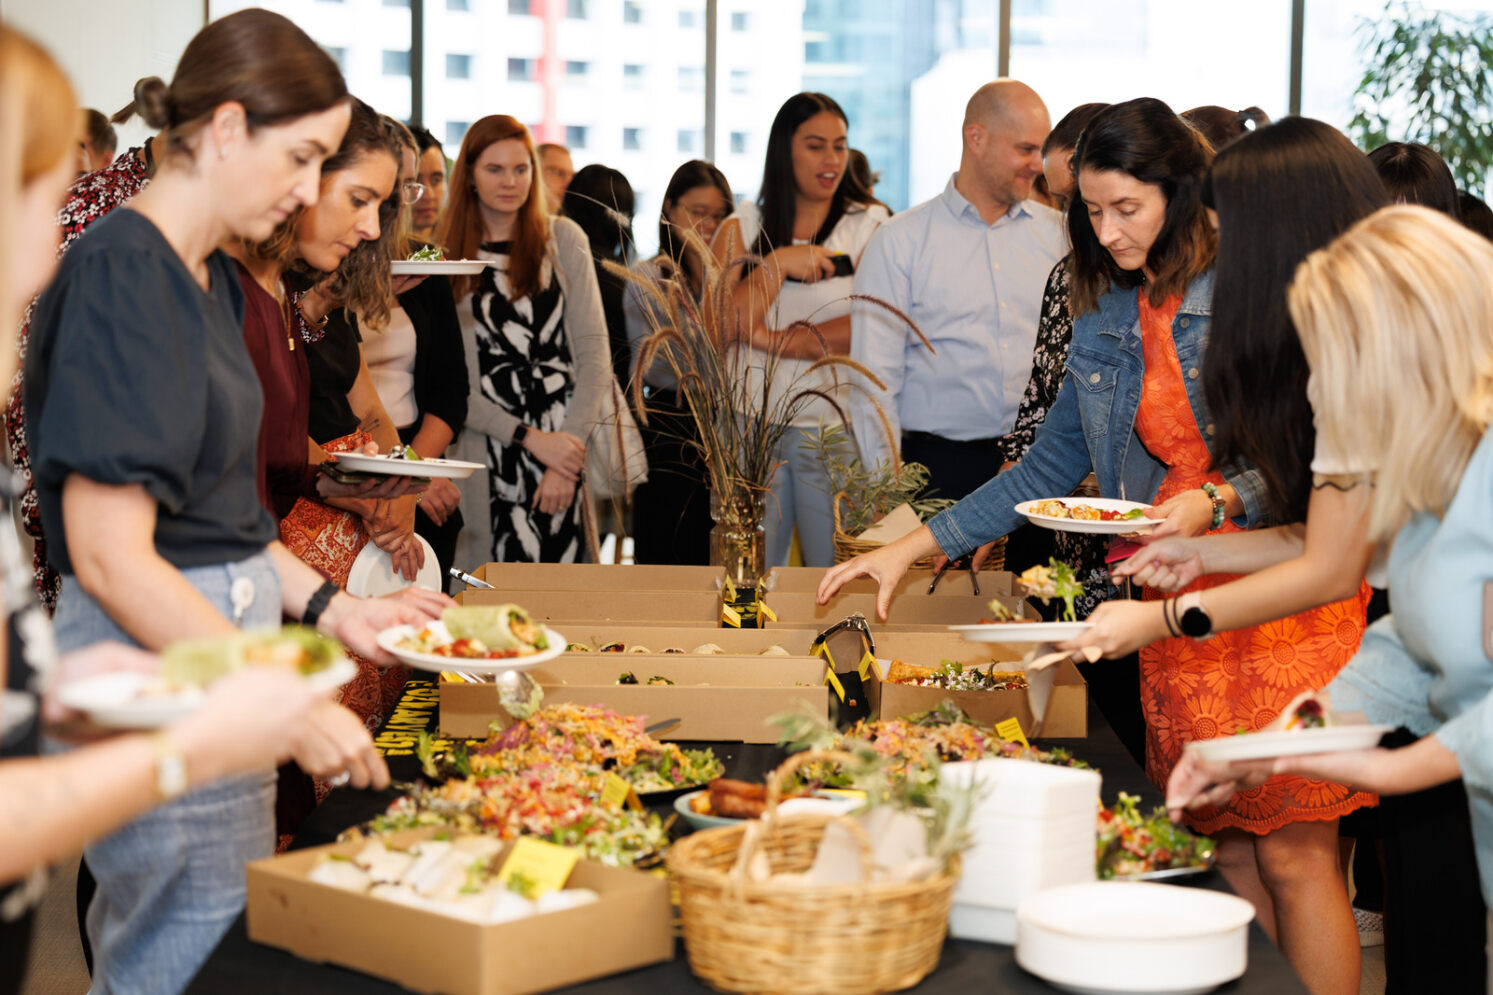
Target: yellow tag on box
543,867
614,790
731,616
766,612
834,682
867,662
1010,731
729,589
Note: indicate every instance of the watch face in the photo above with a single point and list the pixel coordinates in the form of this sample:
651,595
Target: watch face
1196,623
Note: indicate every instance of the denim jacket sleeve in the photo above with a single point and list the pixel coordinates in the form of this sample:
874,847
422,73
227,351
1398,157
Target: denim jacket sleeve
1250,487
1058,460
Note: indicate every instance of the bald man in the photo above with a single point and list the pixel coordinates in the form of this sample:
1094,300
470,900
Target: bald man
968,267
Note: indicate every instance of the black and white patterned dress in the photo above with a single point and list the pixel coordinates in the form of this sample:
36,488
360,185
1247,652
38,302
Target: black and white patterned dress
524,365
1085,553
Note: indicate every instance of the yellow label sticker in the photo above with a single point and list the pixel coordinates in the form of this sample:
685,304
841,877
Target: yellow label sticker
729,589
539,866
851,793
766,612
834,681
614,790
1010,731
731,616
867,662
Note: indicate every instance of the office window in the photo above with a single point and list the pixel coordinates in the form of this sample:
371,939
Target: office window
741,80
690,18
396,63
520,70
690,140
458,66
458,5
397,3
518,6
738,143
339,56
576,136
691,78
632,139
632,77
632,13
455,131
577,70
741,21
576,9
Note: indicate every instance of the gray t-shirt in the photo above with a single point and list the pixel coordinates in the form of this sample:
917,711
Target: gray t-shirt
135,375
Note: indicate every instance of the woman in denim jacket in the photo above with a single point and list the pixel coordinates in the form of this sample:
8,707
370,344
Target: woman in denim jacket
1131,409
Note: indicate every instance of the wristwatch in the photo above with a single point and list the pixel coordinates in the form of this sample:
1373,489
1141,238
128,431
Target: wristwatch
520,434
171,767
1191,618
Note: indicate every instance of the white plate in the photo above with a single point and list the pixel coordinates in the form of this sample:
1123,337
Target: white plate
1297,742
372,574
1020,632
453,469
118,701
389,639
1126,936
439,267
1078,525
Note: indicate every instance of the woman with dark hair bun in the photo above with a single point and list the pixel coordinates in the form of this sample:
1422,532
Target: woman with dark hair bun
810,211
1057,153
1415,174
1132,410
671,509
600,200
1221,126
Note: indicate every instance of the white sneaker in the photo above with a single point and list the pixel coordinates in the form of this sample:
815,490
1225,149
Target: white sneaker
1370,928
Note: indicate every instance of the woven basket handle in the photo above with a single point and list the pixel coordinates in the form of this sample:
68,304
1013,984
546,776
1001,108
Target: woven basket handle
840,496
775,784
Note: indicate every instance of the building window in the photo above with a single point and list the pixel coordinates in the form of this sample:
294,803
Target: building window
738,143
577,70
632,12
455,132
691,77
632,77
689,18
458,5
339,56
741,80
518,7
632,139
458,66
396,63
576,9
575,136
741,21
690,141
520,70
397,3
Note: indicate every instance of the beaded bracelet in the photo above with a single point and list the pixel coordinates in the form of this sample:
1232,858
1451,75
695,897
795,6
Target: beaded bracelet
1217,500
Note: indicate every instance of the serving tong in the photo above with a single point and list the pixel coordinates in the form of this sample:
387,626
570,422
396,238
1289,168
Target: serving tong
964,562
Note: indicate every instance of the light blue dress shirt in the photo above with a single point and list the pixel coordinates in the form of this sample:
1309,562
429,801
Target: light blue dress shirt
975,291
1425,667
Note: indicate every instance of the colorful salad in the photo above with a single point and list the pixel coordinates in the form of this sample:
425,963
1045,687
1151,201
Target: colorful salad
481,632
952,676
1084,512
1130,844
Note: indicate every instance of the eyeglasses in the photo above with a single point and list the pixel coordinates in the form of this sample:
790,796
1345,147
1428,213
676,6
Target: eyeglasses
702,213
413,191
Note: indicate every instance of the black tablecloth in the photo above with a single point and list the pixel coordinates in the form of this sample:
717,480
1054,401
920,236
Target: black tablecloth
237,965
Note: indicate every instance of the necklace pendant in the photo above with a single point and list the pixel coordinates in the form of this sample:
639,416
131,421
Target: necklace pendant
290,341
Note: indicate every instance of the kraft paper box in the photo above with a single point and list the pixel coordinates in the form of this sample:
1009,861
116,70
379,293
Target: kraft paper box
627,928
1067,709
725,698
913,584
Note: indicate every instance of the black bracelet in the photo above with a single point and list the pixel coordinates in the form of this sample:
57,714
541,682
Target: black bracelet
318,603
1167,611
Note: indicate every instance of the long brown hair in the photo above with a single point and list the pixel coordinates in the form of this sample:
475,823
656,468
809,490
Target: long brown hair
1143,139
255,57
460,231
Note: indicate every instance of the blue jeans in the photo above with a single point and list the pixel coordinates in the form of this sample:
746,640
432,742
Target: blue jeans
800,495
171,882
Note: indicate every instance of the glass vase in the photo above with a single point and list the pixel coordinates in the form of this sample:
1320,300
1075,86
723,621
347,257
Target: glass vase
738,544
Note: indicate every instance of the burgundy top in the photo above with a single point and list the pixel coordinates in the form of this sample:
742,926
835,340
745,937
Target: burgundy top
285,473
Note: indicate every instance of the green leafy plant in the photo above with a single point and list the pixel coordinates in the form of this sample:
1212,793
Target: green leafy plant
871,492
1428,77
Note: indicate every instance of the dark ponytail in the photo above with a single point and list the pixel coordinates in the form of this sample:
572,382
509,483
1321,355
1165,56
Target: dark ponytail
149,102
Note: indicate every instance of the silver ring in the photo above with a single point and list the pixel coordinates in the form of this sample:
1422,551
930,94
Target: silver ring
341,780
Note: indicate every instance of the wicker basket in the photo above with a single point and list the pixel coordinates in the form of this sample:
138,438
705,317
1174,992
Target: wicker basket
848,546
743,936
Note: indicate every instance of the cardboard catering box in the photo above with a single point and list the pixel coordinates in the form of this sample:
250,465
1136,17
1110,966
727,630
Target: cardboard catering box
1067,708
726,698
627,928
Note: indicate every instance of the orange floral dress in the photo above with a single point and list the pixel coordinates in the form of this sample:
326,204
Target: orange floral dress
1242,679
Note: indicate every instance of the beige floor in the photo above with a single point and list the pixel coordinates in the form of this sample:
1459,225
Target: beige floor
57,959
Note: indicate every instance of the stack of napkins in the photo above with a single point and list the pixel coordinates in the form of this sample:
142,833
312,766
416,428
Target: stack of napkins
1033,828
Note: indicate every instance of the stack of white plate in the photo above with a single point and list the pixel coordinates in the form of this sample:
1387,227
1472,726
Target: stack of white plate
1033,828
1123,936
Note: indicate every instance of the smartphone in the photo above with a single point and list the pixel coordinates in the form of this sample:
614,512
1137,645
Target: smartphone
844,266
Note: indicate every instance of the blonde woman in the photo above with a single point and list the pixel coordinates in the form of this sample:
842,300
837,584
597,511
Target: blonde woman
1397,308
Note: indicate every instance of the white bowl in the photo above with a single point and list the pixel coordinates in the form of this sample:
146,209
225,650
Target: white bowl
1026,789
1113,936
